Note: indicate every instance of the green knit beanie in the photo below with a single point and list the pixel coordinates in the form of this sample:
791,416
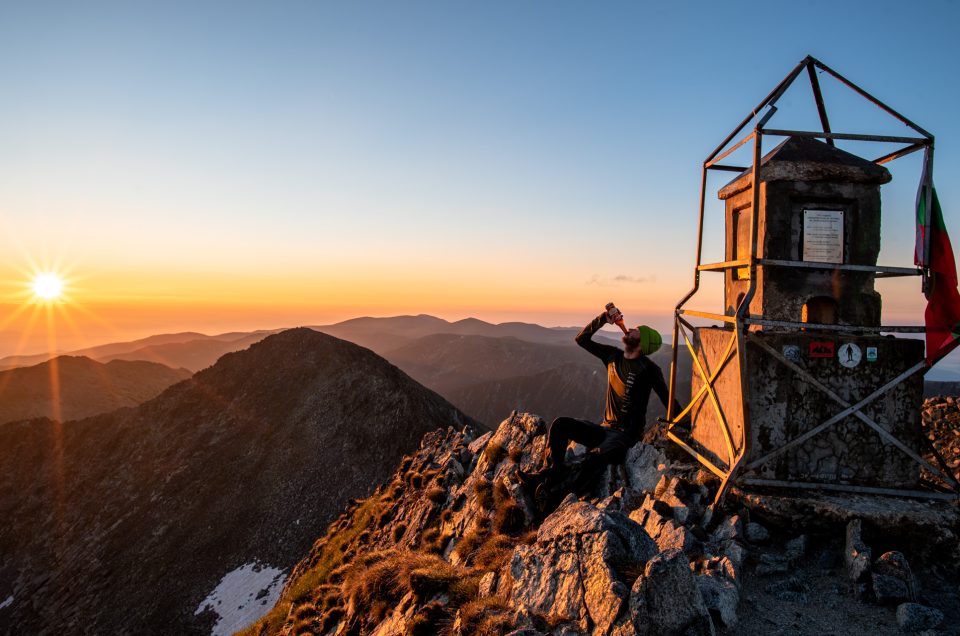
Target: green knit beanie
650,339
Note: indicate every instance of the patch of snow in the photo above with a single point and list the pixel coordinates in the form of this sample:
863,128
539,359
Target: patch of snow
7,602
242,597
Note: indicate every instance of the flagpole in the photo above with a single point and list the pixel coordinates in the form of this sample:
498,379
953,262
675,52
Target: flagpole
927,216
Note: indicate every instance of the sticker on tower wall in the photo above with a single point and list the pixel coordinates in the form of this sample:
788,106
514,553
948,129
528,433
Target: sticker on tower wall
791,352
821,349
849,355
871,354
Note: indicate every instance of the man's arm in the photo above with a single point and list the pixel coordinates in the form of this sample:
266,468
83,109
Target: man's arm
585,339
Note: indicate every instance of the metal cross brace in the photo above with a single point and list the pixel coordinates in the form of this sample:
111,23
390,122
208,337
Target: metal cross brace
708,385
849,409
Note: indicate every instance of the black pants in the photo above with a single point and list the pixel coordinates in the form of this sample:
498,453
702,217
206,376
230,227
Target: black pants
607,445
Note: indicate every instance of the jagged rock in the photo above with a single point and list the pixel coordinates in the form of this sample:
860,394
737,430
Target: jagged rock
857,554
735,551
889,569
580,517
721,598
756,533
666,532
569,572
666,601
645,465
670,490
488,584
547,580
913,617
480,443
604,595
396,620
729,528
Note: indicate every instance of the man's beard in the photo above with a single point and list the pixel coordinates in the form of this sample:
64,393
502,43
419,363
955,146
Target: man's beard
632,345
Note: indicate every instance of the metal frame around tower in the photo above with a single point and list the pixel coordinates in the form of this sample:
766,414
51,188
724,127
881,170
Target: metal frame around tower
742,320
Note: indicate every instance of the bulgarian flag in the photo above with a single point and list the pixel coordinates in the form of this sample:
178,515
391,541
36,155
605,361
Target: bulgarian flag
934,253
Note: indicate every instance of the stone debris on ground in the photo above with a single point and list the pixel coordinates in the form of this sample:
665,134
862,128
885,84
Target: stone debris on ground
453,545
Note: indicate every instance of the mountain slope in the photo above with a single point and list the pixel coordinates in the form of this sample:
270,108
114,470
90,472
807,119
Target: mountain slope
124,522
68,387
448,361
486,377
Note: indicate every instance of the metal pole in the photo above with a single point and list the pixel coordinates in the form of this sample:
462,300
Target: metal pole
818,98
769,99
696,286
871,98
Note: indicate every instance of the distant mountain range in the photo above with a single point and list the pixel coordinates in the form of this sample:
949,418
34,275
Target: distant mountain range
486,369
69,387
125,522
190,350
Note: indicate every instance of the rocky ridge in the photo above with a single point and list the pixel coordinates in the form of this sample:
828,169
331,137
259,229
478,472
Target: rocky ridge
123,523
451,545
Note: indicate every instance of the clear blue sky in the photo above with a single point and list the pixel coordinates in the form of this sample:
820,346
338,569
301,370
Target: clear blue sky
509,160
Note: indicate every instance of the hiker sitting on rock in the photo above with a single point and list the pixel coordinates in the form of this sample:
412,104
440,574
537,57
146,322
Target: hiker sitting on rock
630,377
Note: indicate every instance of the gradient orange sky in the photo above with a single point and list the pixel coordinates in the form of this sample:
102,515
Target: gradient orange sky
241,166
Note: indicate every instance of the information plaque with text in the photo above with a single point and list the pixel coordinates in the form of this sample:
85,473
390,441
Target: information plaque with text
823,236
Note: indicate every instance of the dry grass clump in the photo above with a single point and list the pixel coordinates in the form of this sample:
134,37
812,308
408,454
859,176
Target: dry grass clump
398,532
515,454
414,479
483,490
471,542
494,552
437,494
487,617
380,580
509,519
428,620
494,452
500,492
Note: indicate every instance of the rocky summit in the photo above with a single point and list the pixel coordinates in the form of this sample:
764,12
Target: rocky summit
170,517
453,545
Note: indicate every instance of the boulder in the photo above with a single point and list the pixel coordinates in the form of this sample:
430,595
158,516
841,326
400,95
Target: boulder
580,517
644,466
721,598
893,581
667,533
729,528
666,601
570,572
889,590
913,617
546,580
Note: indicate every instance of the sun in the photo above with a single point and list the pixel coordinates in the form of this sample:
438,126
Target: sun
47,286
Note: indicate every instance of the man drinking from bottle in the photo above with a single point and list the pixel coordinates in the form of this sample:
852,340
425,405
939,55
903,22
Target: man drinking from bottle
631,375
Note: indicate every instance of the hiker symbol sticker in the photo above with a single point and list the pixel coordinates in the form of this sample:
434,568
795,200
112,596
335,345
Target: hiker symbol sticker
849,355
